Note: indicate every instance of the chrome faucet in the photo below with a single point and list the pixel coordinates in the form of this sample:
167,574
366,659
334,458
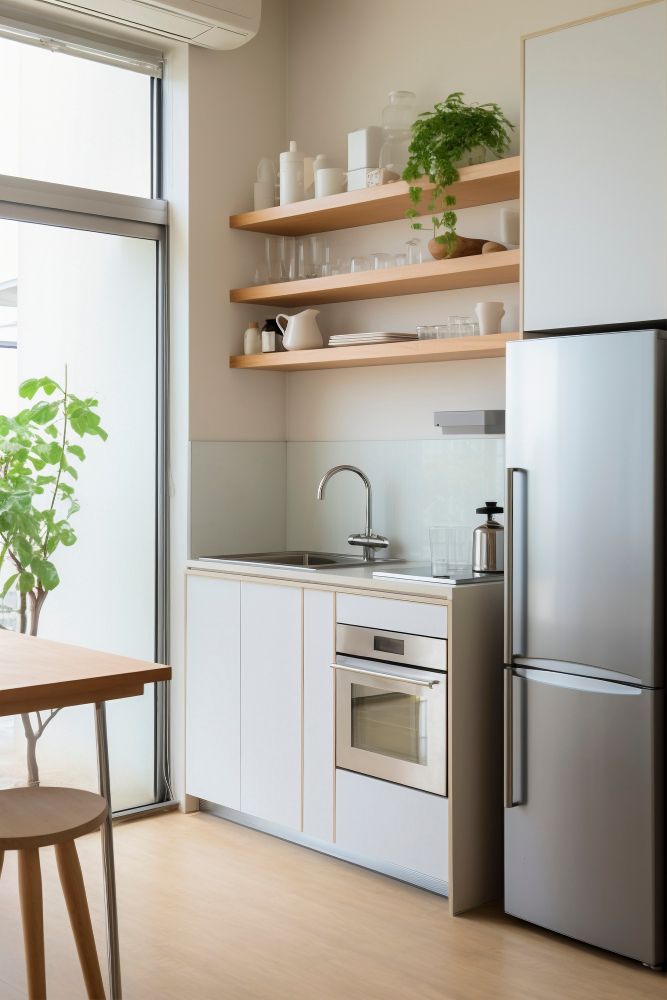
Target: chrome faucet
368,540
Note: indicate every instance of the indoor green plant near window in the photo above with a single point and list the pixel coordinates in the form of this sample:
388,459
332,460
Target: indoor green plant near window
439,139
31,529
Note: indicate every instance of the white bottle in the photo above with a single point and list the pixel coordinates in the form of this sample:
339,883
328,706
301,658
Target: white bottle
252,340
291,175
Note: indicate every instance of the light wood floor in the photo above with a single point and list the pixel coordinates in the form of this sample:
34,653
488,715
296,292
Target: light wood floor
211,911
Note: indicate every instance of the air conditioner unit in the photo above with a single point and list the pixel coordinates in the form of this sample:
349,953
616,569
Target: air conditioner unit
216,24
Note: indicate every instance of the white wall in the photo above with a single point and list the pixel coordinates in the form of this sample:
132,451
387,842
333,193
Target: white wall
343,59
237,116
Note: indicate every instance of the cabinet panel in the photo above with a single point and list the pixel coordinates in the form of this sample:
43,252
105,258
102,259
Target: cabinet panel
271,703
213,694
392,822
393,616
589,88
318,714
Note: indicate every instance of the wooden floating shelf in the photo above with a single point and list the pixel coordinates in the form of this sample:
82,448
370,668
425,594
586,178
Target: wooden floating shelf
432,276
481,184
406,352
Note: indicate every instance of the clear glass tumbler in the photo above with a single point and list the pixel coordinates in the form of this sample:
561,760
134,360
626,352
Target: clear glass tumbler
451,549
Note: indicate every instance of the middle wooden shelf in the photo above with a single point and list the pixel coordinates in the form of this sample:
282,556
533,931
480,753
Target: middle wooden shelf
431,276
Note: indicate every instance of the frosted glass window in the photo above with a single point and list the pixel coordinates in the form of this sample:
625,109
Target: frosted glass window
74,121
88,300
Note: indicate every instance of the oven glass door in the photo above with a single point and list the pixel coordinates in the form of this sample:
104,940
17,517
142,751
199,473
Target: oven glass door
393,726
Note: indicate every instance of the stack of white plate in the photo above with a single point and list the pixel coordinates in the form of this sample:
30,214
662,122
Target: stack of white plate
350,339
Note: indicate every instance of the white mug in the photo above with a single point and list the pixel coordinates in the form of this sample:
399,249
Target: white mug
489,315
329,180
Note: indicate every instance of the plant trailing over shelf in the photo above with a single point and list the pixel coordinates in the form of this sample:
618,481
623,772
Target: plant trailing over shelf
35,509
439,139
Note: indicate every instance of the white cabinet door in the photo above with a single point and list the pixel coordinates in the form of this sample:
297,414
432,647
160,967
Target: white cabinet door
401,825
594,167
271,703
318,714
213,693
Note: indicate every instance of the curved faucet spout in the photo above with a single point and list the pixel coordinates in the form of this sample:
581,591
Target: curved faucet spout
368,540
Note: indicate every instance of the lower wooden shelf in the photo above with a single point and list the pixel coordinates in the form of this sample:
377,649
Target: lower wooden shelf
402,353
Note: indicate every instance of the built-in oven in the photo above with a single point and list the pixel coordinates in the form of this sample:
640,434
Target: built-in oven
391,706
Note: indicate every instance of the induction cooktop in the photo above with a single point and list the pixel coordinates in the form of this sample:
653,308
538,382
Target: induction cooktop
422,574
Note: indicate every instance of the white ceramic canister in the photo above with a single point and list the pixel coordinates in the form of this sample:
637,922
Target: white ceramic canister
329,180
252,340
489,315
291,176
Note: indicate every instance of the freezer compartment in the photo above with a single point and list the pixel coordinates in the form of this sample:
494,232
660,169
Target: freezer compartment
584,839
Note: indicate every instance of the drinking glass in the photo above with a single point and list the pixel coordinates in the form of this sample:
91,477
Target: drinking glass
360,264
442,331
312,256
381,260
400,260
414,250
451,549
426,333
274,253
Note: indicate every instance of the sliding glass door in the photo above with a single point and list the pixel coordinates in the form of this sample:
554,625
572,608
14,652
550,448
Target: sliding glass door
85,309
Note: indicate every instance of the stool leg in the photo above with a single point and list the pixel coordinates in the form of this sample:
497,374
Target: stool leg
30,892
74,891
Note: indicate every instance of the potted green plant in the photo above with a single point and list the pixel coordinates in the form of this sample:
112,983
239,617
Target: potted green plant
35,508
440,138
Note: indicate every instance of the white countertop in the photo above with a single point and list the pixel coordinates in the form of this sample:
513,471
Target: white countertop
350,577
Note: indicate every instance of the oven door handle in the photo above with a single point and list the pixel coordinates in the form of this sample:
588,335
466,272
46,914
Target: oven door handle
377,673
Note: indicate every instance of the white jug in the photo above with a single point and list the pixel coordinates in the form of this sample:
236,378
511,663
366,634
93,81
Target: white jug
300,332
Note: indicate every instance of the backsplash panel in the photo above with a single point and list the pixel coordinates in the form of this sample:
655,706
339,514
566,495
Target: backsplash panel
415,484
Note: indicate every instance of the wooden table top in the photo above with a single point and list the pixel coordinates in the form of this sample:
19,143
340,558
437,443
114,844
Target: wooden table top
38,674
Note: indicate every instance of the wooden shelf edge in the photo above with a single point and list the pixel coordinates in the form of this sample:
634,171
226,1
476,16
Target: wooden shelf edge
401,353
431,276
481,184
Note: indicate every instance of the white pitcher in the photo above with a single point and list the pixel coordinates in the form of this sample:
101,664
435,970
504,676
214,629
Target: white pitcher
300,332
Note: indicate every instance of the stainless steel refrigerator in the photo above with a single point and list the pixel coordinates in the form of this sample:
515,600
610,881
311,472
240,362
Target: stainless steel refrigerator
585,638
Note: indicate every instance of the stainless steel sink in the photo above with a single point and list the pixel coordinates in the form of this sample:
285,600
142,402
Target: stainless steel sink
301,559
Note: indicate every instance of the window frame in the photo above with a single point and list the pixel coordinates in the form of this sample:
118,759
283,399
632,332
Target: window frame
44,203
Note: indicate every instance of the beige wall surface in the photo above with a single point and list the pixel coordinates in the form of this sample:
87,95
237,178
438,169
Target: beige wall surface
237,116
344,57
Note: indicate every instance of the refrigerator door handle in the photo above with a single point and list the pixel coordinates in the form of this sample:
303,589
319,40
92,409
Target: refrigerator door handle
516,549
574,682
509,748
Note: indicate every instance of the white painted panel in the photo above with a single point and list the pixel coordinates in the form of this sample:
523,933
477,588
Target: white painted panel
318,714
271,703
595,137
237,497
395,616
213,691
392,822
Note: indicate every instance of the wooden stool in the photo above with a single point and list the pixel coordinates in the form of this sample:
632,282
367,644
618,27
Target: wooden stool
31,818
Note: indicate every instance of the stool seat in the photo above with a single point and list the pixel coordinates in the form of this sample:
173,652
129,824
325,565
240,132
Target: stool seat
39,817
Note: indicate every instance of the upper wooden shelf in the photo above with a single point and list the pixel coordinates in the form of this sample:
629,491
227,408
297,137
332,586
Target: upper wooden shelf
481,184
431,276
402,353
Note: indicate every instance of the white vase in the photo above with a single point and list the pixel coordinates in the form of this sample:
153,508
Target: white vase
489,315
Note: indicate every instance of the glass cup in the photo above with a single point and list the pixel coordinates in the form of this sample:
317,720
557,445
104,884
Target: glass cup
275,259
413,249
360,264
400,260
381,260
442,331
451,549
426,332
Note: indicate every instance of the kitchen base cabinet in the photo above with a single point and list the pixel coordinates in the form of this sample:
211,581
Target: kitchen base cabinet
318,714
271,703
213,691
401,825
